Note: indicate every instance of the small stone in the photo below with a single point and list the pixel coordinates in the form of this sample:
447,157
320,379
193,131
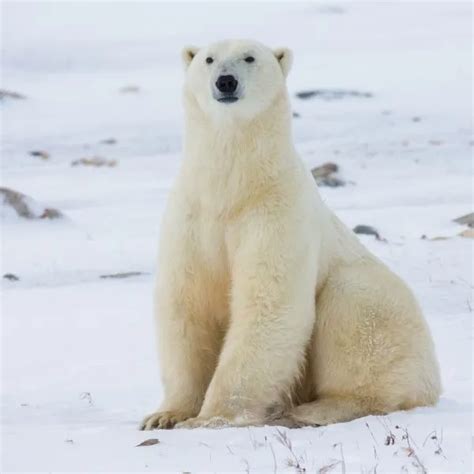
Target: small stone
44,155
325,175
325,170
109,141
130,89
50,213
149,442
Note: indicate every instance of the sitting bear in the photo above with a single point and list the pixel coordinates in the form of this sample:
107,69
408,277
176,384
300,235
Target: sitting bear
268,309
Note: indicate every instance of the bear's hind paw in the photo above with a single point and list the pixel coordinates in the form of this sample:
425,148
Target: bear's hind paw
213,422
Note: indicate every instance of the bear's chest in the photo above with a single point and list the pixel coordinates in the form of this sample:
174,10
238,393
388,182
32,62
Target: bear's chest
213,261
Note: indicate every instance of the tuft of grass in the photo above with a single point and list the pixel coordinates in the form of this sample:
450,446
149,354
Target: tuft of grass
293,461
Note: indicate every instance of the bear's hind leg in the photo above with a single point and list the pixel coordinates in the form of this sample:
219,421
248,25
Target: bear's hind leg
327,411
372,350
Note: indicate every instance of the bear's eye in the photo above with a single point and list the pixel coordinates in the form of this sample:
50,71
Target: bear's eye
209,60
249,59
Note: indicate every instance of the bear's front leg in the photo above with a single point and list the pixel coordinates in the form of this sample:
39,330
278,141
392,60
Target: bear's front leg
188,347
189,339
272,315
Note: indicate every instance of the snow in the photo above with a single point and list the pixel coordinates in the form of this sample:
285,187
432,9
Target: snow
78,354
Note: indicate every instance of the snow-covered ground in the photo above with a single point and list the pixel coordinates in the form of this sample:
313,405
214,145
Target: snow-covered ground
79,369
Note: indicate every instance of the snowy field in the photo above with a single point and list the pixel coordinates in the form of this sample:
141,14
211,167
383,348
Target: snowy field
79,369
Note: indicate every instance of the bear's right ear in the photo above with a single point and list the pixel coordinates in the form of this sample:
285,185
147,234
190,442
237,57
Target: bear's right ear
188,54
284,57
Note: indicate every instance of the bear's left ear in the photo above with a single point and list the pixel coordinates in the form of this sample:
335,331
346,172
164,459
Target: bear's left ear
188,54
285,58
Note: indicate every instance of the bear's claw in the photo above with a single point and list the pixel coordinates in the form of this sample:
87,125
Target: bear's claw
163,420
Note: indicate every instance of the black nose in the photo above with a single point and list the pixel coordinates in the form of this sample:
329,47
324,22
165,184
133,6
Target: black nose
227,84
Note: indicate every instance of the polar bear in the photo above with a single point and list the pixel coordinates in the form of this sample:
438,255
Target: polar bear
268,309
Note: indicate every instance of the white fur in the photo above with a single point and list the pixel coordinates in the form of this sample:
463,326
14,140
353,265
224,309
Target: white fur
266,304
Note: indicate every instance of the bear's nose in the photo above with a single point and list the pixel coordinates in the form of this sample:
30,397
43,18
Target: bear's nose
226,84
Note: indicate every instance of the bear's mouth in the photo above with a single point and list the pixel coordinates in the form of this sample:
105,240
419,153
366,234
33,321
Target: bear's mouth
228,99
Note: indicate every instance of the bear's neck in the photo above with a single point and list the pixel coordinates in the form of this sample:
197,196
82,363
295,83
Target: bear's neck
229,163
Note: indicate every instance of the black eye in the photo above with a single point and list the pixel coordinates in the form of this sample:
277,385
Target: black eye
249,59
209,60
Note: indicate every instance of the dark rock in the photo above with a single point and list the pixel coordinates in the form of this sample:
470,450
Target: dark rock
19,202
296,115
6,94
468,220
25,206
332,94
367,230
11,277
44,155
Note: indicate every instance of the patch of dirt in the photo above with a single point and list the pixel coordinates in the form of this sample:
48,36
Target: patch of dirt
129,89
122,275
96,161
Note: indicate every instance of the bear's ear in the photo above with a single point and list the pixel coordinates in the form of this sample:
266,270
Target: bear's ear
285,58
188,54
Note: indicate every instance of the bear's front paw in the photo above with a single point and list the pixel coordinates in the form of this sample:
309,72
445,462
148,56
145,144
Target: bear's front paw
213,422
164,419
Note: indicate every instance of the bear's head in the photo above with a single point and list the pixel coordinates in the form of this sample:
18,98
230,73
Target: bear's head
235,78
